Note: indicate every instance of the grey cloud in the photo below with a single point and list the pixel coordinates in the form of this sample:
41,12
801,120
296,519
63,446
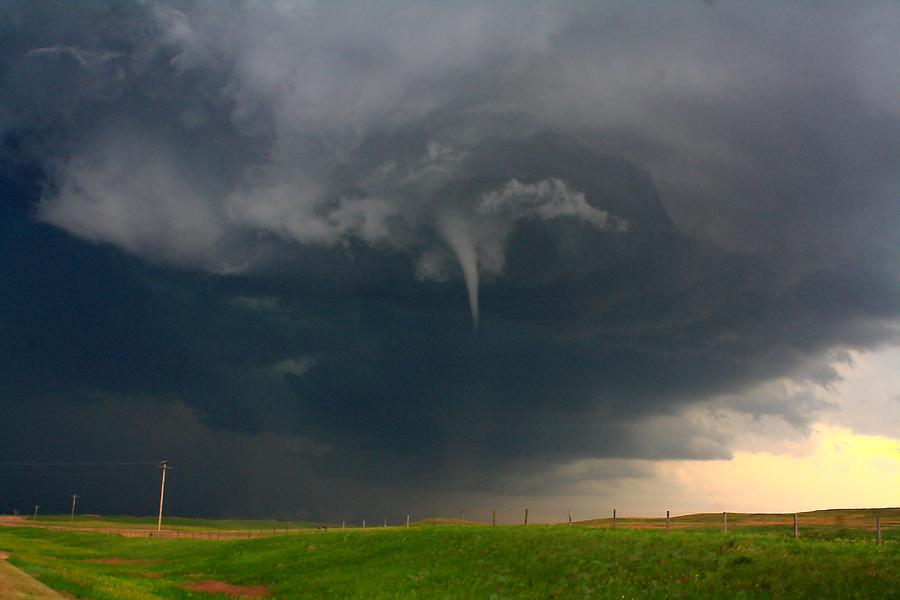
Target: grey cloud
131,192
290,79
547,199
342,172
214,468
555,479
294,366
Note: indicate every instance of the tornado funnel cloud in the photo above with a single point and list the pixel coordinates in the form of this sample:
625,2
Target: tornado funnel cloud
457,233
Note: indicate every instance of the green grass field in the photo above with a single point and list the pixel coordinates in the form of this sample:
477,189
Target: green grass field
468,562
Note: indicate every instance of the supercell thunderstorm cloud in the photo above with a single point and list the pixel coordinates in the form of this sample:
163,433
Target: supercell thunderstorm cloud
331,258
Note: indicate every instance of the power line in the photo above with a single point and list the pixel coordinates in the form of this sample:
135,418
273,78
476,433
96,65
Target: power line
77,464
73,475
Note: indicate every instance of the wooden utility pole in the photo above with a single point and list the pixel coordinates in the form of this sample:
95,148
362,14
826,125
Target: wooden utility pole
570,517
526,517
614,519
667,521
164,466
74,498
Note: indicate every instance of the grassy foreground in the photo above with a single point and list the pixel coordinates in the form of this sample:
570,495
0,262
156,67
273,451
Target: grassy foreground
463,562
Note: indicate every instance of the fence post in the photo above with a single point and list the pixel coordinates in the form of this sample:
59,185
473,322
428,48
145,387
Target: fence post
385,521
407,519
725,521
667,521
614,519
364,523
526,517
343,524
796,527
493,517
878,530
570,517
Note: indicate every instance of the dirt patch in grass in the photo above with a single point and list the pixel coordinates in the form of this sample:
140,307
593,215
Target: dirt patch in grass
15,583
211,586
3,555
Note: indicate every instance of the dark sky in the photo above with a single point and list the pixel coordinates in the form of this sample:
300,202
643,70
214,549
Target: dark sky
331,259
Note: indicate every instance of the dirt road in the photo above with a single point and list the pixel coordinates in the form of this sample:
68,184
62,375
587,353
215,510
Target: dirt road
15,584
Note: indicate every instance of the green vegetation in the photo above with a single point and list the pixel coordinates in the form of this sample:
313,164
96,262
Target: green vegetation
467,562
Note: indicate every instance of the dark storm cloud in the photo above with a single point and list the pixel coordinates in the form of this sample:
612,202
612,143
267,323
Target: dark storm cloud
649,207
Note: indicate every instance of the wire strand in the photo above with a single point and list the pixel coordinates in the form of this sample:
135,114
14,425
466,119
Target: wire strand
78,464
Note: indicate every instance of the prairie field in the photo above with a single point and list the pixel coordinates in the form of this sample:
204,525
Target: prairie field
755,559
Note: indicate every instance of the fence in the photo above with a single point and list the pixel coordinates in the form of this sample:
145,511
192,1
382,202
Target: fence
817,524
878,524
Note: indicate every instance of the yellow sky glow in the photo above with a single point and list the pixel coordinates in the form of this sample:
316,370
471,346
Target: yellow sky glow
834,467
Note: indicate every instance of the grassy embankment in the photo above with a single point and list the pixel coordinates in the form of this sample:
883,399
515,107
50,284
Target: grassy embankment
468,562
